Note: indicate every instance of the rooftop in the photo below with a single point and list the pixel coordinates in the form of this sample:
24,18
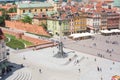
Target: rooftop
116,3
33,5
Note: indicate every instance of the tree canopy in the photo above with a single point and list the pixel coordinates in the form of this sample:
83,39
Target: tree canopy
12,10
3,17
44,26
27,19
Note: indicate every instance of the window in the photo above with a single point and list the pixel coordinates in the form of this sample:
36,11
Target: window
30,11
46,9
109,6
23,11
35,10
41,10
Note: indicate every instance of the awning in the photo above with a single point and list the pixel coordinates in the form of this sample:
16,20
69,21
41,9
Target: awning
78,35
90,27
110,31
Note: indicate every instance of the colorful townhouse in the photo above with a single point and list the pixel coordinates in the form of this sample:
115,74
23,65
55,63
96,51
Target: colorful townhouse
102,15
79,22
103,25
99,15
77,19
54,25
113,20
93,20
51,20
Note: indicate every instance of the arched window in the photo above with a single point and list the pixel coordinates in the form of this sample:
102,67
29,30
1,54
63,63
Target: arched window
41,10
35,10
23,11
29,10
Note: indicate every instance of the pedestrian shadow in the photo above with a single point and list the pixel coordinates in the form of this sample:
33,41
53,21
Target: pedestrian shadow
79,60
61,55
64,55
71,59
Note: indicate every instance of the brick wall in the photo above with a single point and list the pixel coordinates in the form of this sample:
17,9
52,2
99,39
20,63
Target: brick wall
35,41
16,34
21,35
26,27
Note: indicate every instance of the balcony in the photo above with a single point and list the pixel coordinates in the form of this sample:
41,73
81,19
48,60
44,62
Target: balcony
113,17
113,23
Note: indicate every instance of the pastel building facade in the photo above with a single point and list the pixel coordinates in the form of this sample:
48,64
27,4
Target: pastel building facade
113,20
54,26
35,8
94,21
79,22
103,20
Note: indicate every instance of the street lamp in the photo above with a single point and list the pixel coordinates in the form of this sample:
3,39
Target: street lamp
60,53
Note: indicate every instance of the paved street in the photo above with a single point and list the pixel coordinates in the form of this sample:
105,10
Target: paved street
79,65
107,46
43,66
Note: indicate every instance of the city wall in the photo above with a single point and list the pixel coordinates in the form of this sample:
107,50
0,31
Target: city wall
26,27
21,35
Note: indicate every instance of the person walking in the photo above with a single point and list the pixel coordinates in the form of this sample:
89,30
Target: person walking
40,71
79,70
98,69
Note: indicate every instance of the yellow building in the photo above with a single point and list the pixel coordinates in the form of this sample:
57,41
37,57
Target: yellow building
79,22
39,19
35,8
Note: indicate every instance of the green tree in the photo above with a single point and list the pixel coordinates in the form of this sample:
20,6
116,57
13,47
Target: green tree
1,19
12,10
4,17
44,26
27,19
7,17
4,14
